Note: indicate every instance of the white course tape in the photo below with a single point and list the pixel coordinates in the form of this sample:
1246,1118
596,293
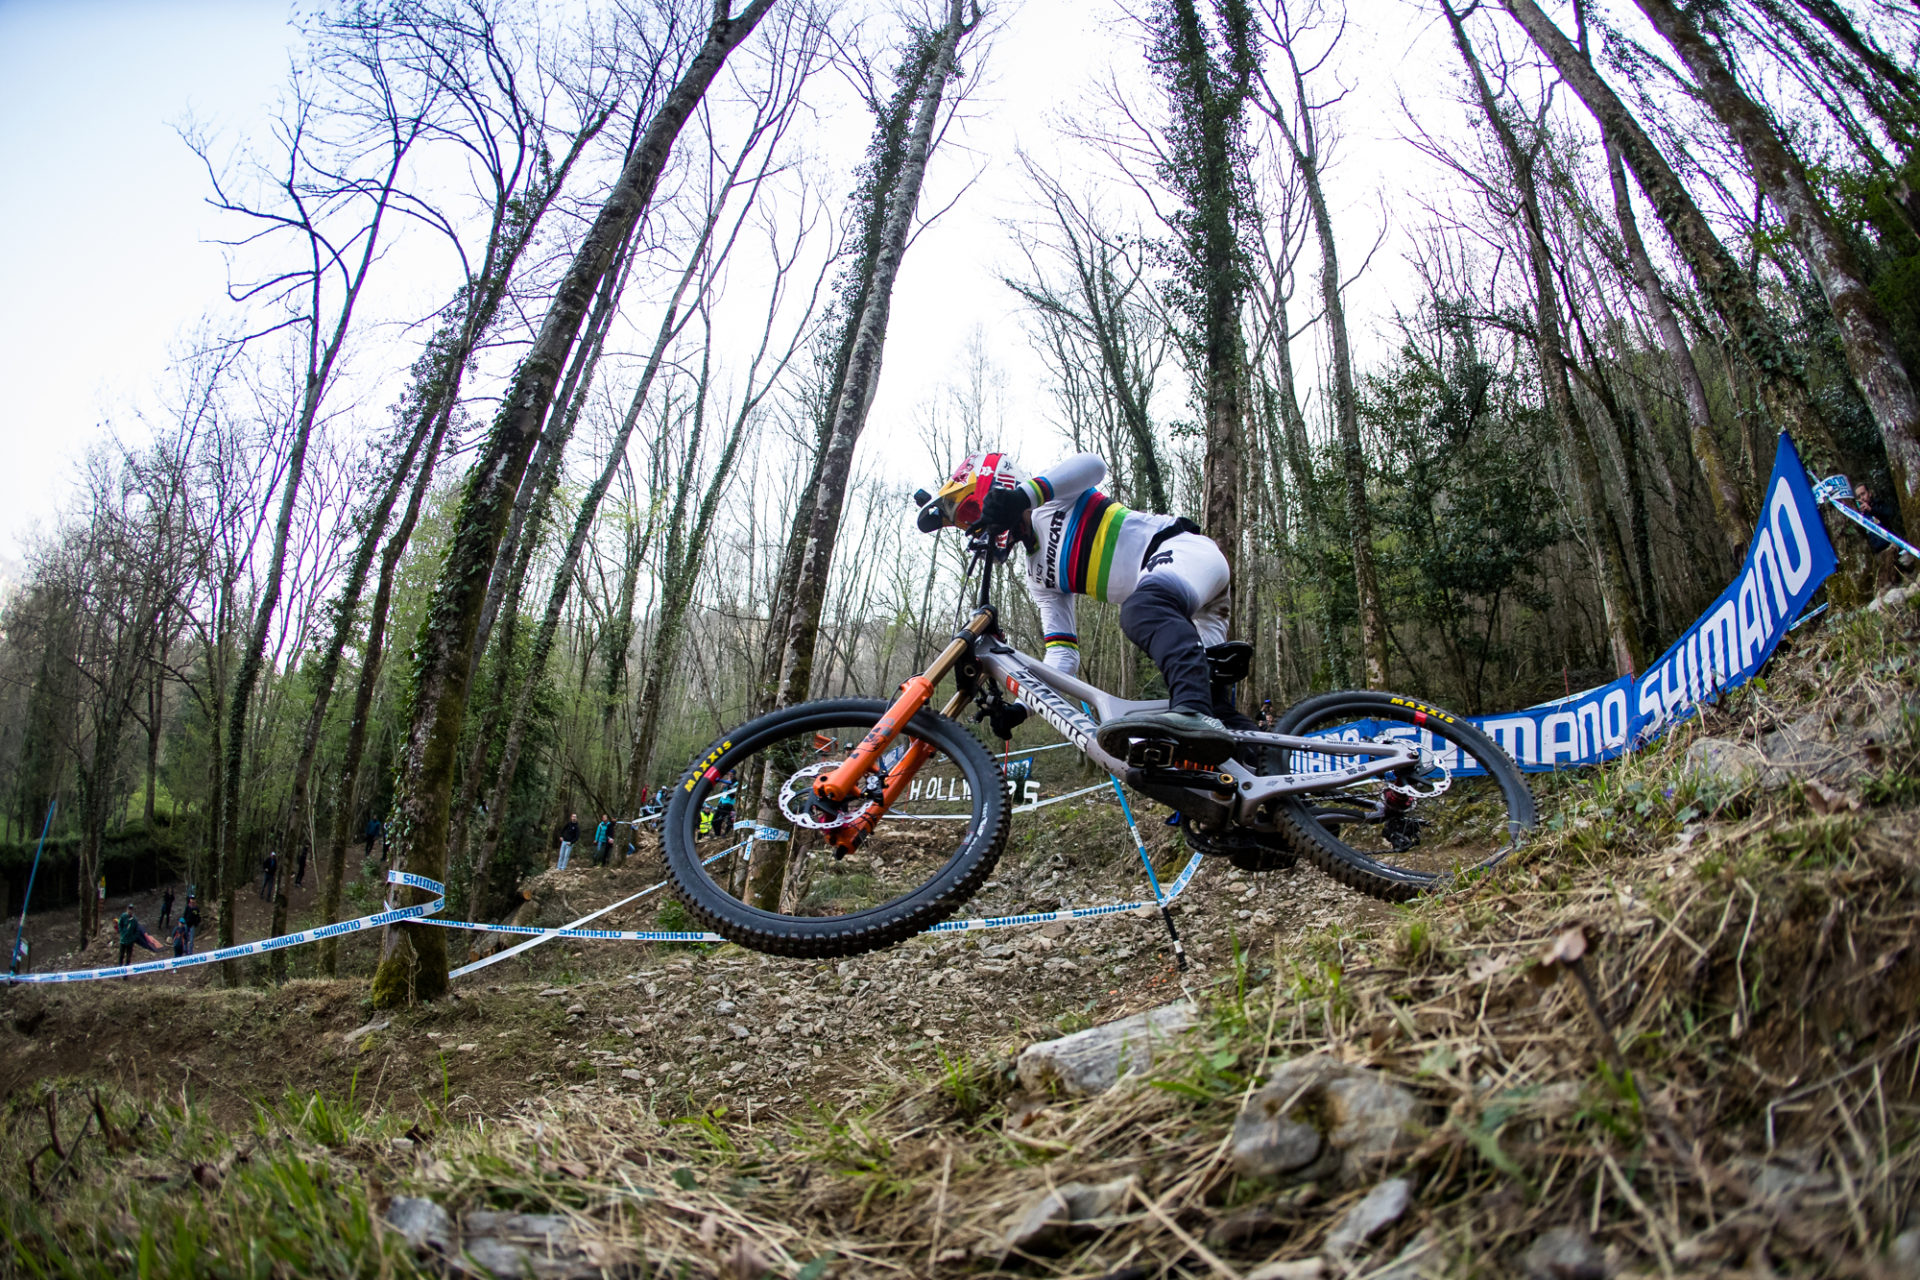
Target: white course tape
542,936
427,913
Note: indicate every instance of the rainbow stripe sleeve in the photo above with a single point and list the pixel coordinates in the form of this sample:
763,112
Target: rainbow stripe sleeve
1087,544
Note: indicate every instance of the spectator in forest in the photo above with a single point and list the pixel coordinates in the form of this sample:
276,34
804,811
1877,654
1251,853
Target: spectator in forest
269,867
1886,556
300,870
724,809
166,909
373,833
182,938
190,917
568,834
1266,715
601,845
132,935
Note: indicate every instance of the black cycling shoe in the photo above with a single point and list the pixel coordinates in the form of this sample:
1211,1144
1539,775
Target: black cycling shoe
1204,739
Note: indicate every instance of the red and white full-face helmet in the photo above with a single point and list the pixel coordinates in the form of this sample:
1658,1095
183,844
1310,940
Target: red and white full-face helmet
965,494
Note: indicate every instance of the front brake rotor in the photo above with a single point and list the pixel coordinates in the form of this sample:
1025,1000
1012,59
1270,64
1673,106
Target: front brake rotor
798,805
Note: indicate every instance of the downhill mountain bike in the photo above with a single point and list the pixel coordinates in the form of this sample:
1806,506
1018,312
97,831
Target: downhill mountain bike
856,801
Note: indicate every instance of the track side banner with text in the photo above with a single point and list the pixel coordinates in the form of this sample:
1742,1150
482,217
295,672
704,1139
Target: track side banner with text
1787,560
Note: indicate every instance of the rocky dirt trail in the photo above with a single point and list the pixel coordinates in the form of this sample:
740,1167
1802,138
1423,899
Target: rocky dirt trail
690,1026
1676,1036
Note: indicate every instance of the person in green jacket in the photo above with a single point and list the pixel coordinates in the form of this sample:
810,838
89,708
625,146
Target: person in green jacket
132,935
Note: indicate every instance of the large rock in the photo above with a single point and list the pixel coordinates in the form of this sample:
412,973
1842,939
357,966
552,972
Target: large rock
1053,1217
1361,1120
1088,1062
1267,1143
1808,748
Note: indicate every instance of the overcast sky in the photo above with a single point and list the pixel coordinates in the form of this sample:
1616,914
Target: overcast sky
105,257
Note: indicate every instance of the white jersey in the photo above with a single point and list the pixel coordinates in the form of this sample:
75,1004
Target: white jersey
1086,544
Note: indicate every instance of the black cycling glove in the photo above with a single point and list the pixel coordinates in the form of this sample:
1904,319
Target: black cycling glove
1004,507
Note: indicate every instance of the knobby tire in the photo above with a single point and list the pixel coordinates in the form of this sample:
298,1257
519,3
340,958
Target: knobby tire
1358,870
814,937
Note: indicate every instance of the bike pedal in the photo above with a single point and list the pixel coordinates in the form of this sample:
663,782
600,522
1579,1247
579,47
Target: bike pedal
1150,753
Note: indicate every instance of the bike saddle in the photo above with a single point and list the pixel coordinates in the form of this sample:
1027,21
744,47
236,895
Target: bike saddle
1231,662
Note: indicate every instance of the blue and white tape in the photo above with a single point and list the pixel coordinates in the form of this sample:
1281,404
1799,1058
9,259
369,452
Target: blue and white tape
428,913
1065,914
393,915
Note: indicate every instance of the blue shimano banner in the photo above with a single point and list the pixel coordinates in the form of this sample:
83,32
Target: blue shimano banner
1788,559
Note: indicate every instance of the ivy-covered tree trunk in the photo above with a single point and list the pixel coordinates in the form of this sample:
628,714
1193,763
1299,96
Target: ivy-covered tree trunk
426,412
563,581
531,507
1872,353
1207,92
1779,384
414,963
346,804
899,166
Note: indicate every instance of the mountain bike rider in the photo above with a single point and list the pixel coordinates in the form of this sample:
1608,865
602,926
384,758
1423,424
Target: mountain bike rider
1170,580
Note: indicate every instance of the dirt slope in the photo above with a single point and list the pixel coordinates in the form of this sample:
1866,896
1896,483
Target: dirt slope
1677,1036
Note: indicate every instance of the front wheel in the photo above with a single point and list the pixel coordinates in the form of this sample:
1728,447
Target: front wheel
1463,808
795,884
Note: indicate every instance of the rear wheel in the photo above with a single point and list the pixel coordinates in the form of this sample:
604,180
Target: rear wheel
818,897
1463,808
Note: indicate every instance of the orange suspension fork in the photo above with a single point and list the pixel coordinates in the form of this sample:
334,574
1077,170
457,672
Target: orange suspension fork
844,782
898,777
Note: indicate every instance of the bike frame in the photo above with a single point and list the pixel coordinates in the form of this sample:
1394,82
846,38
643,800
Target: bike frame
1227,793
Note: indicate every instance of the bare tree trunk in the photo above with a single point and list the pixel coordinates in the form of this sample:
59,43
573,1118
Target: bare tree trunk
1303,140
1624,626
1871,351
1729,503
1353,460
414,966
